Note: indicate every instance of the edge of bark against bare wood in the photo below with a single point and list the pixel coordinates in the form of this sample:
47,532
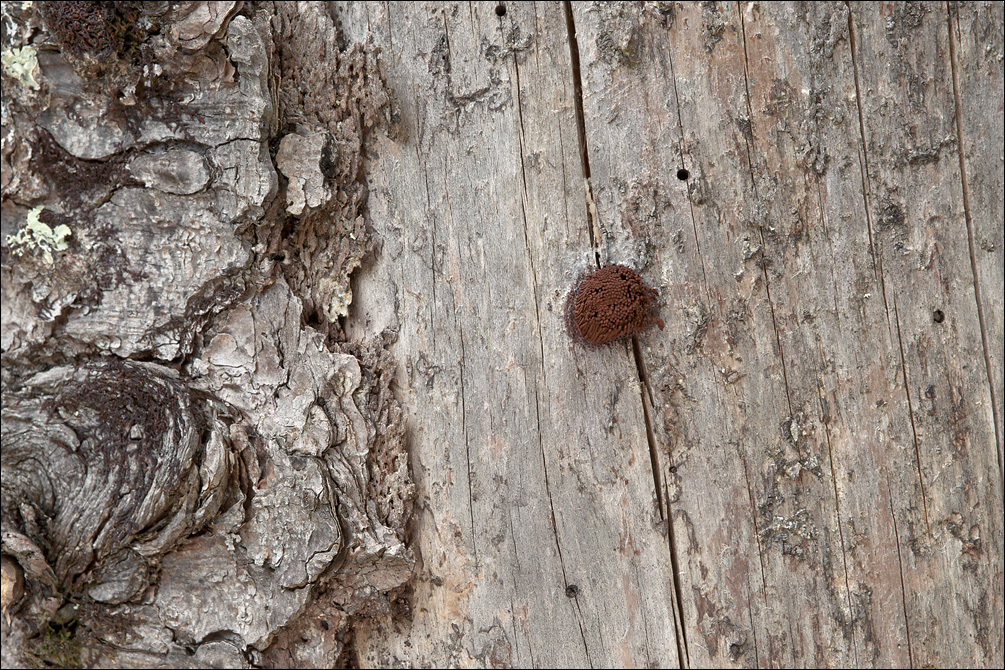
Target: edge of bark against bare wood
202,467
198,468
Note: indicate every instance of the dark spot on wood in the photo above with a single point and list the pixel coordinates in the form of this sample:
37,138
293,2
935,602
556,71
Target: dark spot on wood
571,590
938,316
683,174
501,9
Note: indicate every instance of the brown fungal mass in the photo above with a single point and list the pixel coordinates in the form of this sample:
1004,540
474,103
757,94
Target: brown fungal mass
610,304
81,26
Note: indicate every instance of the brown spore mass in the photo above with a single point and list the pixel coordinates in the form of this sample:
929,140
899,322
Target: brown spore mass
81,26
610,304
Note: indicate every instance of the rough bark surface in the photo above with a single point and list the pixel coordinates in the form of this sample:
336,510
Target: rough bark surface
230,230
197,468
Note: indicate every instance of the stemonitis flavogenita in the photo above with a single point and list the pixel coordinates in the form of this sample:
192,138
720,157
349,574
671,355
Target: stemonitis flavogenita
610,304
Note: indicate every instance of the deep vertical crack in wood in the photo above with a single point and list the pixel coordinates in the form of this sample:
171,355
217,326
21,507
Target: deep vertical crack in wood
584,152
781,353
903,588
877,259
837,506
968,215
662,500
910,414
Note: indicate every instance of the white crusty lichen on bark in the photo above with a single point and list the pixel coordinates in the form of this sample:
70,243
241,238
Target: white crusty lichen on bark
183,456
22,65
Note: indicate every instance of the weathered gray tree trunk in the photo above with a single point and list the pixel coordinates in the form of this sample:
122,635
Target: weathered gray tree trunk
205,428
198,468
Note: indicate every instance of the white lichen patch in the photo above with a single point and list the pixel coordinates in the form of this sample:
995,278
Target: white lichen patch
21,64
37,235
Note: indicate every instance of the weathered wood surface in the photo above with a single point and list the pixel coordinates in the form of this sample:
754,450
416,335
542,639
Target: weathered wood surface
803,469
827,451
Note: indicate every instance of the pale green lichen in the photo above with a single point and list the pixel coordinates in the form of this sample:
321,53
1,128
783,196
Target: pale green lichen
37,235
21,64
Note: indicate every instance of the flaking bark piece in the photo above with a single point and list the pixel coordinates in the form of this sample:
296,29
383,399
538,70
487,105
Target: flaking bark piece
609,304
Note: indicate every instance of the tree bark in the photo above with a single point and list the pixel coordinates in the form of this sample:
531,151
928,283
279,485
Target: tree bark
198,468
297,388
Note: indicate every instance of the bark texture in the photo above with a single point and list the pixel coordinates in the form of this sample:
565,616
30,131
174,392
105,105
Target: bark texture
231,229
192,474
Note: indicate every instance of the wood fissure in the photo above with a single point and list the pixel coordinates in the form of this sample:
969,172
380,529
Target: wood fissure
968,215
584,150
760,229
467,449
650,436
647,397
903,588
910,413
554,530
687,180
837,514
666,514
877,259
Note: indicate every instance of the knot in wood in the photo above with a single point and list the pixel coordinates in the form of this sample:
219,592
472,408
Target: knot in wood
610,304
105,454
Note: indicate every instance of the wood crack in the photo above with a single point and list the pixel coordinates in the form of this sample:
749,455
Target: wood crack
554,525
650,434
662,500
910,414
690,203
837,507
903,588
877,259
781,353
592,223
760,230
757,535
753,632
968,215
467,455
584,153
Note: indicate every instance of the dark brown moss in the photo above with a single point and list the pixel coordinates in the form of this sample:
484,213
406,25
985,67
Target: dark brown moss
610,304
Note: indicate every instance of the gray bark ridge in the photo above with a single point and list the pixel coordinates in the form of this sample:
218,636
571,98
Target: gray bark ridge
192,475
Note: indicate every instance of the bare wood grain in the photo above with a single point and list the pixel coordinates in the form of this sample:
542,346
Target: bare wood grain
804,468
751,497
977,30
807,318
915,199
821,403
539,529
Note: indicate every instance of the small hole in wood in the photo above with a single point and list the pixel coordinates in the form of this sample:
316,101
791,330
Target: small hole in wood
501,9
938,316
683,174
571,591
